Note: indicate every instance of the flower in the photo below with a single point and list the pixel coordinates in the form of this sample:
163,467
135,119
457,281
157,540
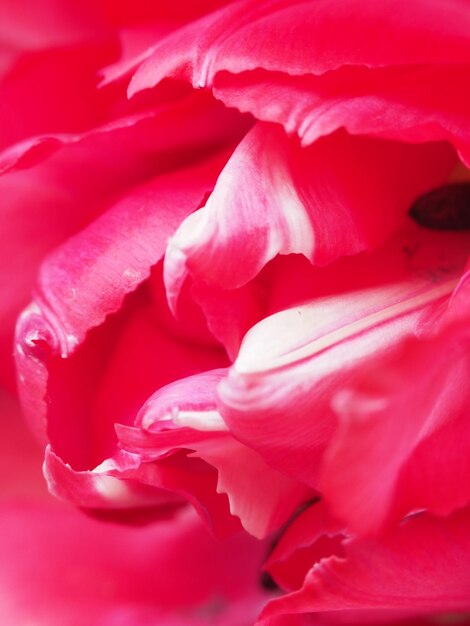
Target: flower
260,304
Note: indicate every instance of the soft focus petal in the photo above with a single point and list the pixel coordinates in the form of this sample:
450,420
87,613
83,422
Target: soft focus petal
20,456
66,98
61,568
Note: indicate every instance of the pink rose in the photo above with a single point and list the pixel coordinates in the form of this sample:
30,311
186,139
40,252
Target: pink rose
251,285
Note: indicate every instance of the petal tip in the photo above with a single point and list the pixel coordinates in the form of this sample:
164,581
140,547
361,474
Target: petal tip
174,274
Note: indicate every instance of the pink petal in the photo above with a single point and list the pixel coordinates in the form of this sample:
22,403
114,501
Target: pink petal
184,54
66,24
274,197
136,43
64,81
88,277
99,489
313,535
45,204
62,567
260,496
412,104
309,38
320,67
109,378
277,397
230,313
127,489
20,456
170,574
190,478
106,380
403,447
263,498
420,567
29,152
187,402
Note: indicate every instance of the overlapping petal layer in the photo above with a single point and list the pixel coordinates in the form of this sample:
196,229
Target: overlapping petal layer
419,568
317,67
278,395
360,107
184,416
414,104
403,447
313,535
275,197
90,173
65,308
299,38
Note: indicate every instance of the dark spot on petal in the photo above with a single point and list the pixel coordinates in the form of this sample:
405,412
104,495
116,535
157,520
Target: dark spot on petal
444,208
267,582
